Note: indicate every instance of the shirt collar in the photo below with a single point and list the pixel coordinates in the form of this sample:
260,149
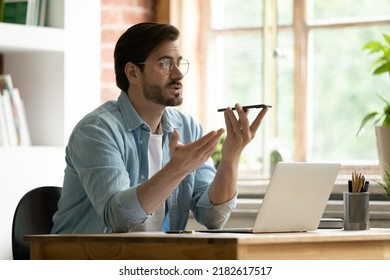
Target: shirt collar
133,120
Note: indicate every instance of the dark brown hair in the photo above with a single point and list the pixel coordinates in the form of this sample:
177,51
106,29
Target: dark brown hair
137,43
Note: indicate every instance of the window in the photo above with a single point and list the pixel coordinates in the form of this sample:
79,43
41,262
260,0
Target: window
304,57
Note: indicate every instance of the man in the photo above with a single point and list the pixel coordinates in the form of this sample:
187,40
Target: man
138,164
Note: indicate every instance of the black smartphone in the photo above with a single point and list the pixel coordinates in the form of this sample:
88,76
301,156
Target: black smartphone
181,231
257,106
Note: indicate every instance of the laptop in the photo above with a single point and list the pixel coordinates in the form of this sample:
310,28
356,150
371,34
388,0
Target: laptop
295,198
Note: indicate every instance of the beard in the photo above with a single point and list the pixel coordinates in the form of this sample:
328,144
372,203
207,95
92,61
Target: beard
155,94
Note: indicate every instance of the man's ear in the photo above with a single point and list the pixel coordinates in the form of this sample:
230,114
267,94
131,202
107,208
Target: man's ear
132,72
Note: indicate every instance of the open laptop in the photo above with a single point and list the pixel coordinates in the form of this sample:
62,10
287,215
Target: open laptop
295,198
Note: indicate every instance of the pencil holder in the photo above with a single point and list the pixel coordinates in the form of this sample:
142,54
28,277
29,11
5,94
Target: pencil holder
356,210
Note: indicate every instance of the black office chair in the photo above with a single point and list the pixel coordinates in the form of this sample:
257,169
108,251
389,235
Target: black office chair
33,215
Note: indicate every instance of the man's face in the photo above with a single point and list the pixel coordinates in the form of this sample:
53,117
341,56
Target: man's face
161,85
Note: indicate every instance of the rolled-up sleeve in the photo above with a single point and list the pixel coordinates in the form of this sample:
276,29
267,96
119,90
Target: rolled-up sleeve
210,215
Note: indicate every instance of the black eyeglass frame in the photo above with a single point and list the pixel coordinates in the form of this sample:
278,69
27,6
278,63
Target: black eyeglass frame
167,65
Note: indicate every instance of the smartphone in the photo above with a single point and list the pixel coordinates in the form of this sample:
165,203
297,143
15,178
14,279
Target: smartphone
181,231
248,107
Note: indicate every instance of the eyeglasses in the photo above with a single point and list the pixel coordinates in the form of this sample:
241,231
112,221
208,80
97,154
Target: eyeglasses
167,65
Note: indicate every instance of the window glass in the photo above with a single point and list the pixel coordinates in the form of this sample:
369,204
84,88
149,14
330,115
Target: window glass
235,76
236,13
343,92
285,12
240,63
283,109
332,9
341,89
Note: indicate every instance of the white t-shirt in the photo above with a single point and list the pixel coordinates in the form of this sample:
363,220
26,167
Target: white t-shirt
155,154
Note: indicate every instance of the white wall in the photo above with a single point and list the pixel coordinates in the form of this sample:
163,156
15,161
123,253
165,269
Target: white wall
42,167
58,73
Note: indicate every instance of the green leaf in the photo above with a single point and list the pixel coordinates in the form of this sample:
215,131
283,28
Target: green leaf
386,53
373,46
382,69
387,38
386,111
386,121
385,182
378,119
366,119
387,108
378,62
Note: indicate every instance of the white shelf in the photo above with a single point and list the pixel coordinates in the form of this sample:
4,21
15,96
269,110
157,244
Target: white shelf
23,38
57,70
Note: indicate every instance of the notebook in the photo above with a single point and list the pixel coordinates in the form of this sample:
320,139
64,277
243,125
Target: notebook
295,198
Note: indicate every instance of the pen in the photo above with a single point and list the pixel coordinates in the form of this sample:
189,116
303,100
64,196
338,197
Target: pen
365,186
248,107
181,231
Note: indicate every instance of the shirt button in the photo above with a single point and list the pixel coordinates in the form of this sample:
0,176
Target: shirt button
141,142
142,177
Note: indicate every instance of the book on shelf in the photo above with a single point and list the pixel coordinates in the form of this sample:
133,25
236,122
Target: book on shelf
1,10
29,12
3,124
14,130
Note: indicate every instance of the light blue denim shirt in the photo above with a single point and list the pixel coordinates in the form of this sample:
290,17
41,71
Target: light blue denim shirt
107,158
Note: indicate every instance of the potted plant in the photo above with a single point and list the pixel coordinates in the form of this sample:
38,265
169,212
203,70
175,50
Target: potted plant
380,119
385,183
217,155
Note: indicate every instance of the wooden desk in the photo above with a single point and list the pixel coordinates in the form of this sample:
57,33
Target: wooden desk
320,244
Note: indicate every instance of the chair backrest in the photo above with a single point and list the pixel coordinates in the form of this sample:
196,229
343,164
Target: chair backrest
33,215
